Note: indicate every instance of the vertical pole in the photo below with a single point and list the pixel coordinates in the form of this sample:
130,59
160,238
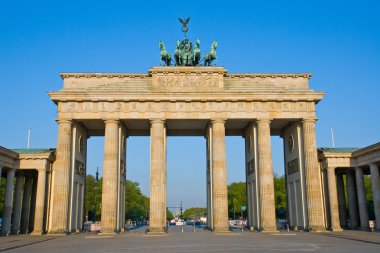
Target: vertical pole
28,138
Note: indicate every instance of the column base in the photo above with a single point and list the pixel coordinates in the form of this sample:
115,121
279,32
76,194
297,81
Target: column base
108,232
269,230
367,229
316,229
37,233
75,231
157,230
5,233
156,233
15,232
56,232
336,229
221,230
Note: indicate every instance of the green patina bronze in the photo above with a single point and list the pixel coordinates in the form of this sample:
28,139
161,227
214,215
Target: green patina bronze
165,57
211,56
185,54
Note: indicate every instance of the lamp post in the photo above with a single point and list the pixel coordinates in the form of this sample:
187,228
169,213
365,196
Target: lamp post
96,191
242,209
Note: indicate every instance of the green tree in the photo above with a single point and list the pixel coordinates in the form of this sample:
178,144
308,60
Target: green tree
194,211
93,197
169,215
2,194
368,193
236,199
280,196
136,204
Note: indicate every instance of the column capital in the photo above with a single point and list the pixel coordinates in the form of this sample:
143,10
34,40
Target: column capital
11,170
217,120
157,121
309,120
264,120
373,165
59,121
20,173
358,168
111,121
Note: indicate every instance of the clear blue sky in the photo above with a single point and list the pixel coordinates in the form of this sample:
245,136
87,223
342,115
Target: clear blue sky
337,41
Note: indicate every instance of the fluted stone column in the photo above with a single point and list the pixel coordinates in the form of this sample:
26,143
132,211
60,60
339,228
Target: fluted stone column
16,215
376,192
32,204
341,201
60,203
362,200
333,200
26,205
352,200
265,172
313,186
219,176
110,177
40,203
157,215
7,210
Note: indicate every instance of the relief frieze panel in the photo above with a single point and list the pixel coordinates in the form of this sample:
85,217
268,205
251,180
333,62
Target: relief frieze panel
186,106
186,81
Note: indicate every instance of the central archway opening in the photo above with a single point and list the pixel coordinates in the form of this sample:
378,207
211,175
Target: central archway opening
186,182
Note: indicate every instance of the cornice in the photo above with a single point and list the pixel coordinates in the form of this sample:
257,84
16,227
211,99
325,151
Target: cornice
41,156
367,150
184,70
8,153
103,75
268,75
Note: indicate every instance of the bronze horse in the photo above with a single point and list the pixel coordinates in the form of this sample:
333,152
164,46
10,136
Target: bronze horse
165,57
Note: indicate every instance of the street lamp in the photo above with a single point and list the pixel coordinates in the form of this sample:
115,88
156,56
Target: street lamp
96,190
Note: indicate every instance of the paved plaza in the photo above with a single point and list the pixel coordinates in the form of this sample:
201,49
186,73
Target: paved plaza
200,241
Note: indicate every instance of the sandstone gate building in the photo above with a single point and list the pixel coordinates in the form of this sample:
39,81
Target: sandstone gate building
188,101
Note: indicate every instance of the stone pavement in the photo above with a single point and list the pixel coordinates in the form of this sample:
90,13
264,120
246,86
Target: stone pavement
200,241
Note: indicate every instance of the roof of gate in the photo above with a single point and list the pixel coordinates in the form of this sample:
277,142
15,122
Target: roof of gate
33,150
338,150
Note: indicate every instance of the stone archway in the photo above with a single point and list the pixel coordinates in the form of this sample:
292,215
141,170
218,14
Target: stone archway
167,101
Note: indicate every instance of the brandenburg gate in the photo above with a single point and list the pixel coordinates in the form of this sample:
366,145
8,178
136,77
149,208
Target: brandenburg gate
187,101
